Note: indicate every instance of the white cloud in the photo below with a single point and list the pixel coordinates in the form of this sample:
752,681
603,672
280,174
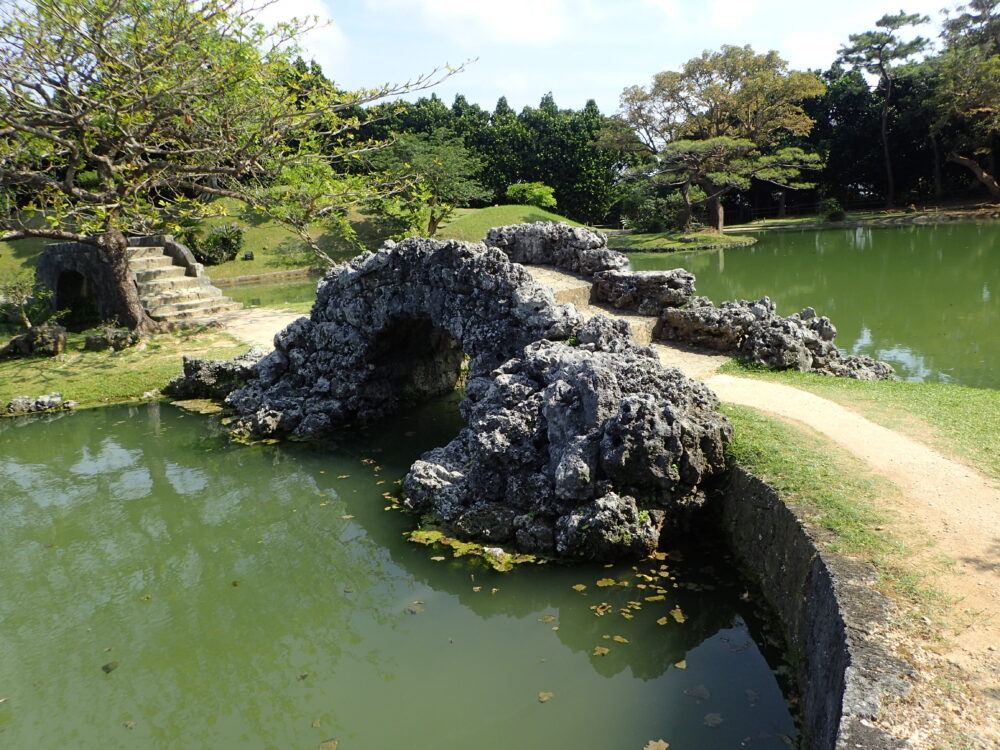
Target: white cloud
470,23
326,43
670,7
730,14
811,49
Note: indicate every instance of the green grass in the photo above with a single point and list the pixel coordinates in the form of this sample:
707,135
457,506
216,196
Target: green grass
96,378
471,225
954,419
671,241
836,491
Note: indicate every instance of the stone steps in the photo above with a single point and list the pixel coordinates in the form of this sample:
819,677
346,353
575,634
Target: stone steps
170,295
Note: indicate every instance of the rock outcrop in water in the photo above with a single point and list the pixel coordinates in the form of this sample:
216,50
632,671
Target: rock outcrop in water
577,442
755,332
213,378
576,249
644,292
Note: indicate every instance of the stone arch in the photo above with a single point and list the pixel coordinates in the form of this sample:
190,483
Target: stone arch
417,300
74,293
76,271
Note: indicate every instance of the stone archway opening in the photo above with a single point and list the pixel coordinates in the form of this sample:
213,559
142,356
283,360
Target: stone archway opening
413,360
74,294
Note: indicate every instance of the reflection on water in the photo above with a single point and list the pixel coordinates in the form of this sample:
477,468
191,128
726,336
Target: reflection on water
918,296
261,596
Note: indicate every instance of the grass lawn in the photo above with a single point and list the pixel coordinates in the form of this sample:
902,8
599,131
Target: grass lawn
956,420
671,241
95,378
471,225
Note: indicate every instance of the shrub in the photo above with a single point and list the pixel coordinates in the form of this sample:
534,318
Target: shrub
831,210
532,194
220,244
23,301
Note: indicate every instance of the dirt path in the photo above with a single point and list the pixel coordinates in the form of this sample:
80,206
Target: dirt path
256,326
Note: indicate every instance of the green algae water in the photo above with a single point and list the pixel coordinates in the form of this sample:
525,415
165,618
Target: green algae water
275,294
162,587
926,299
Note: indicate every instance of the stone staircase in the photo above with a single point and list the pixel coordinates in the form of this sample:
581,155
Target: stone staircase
170,295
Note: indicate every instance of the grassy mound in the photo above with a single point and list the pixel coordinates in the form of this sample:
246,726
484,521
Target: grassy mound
672,241
471,225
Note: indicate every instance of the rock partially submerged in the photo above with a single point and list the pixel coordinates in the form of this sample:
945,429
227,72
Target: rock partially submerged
755,332
578,443
584,451
28,405
213,378
576,249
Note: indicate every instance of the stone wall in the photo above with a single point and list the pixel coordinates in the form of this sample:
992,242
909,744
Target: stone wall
830,615
91,263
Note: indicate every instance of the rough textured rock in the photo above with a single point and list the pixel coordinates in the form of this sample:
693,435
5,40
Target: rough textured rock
28,405
392,326
582,451
111,338
755,332
543,243
48,340
213,378
644,292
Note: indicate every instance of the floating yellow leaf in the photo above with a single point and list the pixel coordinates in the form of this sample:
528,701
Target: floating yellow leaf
682,664
477,589
347,516
657,598
580,587
601,651
677,614
604,582
627,615
438,558
547,618
601,609
544,697
343,476
657,745
662,621
620,639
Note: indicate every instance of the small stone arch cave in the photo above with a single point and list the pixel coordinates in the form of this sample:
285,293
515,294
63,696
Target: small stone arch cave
75,295
413,360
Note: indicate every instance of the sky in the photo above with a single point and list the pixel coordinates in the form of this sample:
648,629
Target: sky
577,49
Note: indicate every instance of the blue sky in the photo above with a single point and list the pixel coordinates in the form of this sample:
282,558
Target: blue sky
577,49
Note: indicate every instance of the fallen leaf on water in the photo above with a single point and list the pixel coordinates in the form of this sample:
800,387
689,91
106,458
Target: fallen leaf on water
682,664
347,516
627,614
601,651
438,558
662,621
713,720
547,618
329,745
657,745
477,589
580,587
129,725
303,675
620,639
146,597
381,481
343,476
545,697
110,667
606,582
4,700
657,598
494,590
677,614
315,724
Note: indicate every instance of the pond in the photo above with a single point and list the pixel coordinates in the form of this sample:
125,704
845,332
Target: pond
282,294
926,299
164,587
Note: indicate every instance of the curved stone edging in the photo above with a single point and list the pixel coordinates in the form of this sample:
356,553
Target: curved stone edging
830,615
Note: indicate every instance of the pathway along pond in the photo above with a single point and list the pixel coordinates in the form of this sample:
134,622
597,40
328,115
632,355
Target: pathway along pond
163,587
926,298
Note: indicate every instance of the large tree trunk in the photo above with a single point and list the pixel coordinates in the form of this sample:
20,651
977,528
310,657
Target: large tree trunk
716,213
687,212
130,312
987,180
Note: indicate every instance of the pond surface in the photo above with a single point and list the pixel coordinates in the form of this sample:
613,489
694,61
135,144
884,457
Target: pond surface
279,294
163,587
926,299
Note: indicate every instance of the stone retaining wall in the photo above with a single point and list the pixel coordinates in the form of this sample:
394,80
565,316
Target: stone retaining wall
830,615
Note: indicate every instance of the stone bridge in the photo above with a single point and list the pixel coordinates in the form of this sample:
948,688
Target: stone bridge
577,442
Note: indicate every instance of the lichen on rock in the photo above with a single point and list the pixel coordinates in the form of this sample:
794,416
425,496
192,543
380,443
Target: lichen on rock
570,248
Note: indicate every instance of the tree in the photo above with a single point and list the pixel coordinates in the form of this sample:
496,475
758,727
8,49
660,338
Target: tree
532,194
966,102
122,116
879,53
721,119
438,172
